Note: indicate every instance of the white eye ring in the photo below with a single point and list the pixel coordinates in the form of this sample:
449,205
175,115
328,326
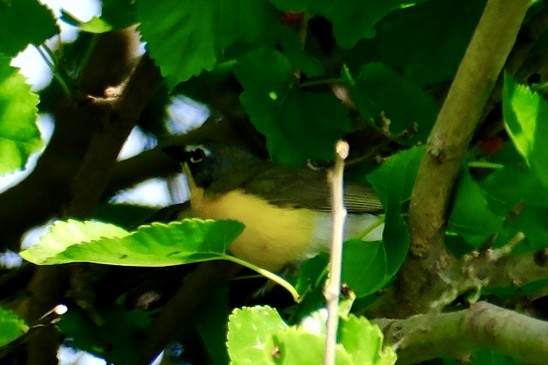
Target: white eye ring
197,153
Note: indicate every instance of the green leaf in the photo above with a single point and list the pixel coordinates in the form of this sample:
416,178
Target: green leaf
532,222
158,244
210,320
426,42
19,135
351,22
298,125
186,38
295,347
363,341
12,327
364,266
291,46
511,185
23,22
258,335
180,37
250,331
119,13
393,182
514,191
94,25
380,89
471,217
525,113
115,14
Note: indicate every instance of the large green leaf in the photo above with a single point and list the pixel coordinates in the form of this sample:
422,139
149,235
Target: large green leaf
513,191
352,20
187,37
250,331
471,217
23,22
426,42
393,182
12,327
379,89
158,244
298,125
364,341
258,335
19,135
119,13
525,115
213,312
364,266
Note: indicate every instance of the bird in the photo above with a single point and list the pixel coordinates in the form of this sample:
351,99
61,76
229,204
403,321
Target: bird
286,210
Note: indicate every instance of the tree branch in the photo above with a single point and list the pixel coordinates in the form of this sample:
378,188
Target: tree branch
45,192
120,112
428,336
419,280
184,303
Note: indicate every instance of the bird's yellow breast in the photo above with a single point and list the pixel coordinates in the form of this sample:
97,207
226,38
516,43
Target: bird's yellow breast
273,235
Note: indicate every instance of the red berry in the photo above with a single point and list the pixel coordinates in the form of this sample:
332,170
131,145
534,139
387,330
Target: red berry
491,145
289,18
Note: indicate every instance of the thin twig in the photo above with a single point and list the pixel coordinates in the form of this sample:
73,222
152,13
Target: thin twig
48,57
332,288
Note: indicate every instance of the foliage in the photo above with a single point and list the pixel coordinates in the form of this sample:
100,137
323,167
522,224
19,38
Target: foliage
12,327
149,246
259,335
293,77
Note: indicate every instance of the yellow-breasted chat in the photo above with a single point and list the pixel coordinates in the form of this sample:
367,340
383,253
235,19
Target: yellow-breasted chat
285,210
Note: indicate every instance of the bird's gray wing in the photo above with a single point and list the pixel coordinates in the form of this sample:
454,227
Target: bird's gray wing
306,188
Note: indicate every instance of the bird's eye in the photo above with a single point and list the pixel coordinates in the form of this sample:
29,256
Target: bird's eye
197,154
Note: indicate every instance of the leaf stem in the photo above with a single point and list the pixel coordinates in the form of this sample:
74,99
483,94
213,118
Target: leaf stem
369,229
87,54
267,274
320,82
49,58
485,165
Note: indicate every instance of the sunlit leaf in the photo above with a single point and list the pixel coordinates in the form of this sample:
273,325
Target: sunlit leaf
525,114
158,244
364,341
250,331
258,335
19,135
12,327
